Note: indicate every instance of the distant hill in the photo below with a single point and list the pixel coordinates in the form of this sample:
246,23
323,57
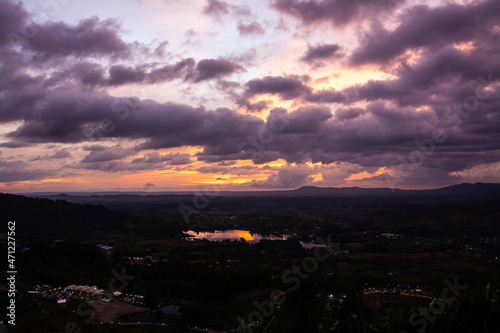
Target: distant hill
456,193
64,216
96,217
481,191
39,217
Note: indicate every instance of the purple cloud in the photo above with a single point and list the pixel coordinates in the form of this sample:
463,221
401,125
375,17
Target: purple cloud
316,54
90,37
338,12
216,9
12,19
170,159
57,86
253,28
285,178
107,154
120,74
286,87
208,69
422,26
303,120
326,96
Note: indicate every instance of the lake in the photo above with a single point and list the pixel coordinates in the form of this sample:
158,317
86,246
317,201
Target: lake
220,235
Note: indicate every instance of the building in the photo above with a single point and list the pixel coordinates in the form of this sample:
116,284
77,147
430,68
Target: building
106,251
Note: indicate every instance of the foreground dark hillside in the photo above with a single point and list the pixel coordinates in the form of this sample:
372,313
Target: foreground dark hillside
383,250
53,219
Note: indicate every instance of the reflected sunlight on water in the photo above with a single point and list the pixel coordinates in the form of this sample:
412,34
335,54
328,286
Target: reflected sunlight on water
220,235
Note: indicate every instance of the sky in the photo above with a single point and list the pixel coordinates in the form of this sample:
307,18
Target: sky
173,95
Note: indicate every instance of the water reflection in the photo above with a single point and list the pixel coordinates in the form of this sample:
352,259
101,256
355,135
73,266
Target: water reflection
220,235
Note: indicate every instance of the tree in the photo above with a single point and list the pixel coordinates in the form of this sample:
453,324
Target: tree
150,300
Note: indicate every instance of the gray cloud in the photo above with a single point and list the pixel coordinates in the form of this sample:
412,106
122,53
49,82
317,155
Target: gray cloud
338,12
170,159
253,28
315,55
422,26
285,178
285,87
216,9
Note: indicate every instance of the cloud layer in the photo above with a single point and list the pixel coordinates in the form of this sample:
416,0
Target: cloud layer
418,105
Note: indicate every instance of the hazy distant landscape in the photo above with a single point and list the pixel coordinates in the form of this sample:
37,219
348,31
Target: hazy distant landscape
267,166
387,255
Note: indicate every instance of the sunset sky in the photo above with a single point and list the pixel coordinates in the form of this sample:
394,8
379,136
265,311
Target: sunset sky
168,95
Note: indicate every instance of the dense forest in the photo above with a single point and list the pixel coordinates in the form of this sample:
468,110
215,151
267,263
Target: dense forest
379,254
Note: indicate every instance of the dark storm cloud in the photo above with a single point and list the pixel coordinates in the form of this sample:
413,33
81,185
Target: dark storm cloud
169,72
228,170
15,144
438,77
422,26
303,120
226,163
113,166
371,136
17,170
94,147
258,106
90,37
315,54
54,43
286,178
350,113
208,69
326,96
12,19
19,96
170,159
110,159
73,116
286,87
88,73
253,28
94,74
270,142
63,153
17,175
107,154
252,107
120,74
338,12
70,105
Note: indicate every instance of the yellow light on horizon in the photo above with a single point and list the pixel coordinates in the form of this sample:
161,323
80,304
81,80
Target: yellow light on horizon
365,174
465,46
